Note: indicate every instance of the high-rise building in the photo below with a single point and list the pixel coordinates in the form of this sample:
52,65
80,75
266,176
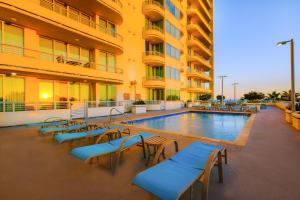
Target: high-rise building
105,50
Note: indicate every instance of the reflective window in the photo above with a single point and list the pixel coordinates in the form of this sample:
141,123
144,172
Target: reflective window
14,89
74,53
74,92
107,92
85,57
61,91
84,92
46,48
172,51
13,39
60,51
46,90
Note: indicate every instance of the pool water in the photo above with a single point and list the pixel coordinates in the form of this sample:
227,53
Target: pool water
212,125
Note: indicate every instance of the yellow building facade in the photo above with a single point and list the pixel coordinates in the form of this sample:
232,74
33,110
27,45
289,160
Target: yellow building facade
105,50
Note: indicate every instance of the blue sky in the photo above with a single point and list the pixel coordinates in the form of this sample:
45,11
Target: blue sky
246,33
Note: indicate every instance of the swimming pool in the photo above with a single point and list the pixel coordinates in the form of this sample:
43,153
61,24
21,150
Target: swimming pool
211,125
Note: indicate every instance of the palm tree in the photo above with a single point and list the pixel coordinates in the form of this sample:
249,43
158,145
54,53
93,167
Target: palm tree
274,95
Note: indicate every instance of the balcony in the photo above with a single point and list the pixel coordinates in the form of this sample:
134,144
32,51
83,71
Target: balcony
194,13
154,82
153,10
198,89
41,64
208,4
203,8
108,9
154,34
198,74
51,20
198,59
154,58
195,43
196,30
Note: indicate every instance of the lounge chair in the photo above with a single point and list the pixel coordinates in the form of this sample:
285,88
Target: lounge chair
72,126
169,179
54,121
94,132
112,148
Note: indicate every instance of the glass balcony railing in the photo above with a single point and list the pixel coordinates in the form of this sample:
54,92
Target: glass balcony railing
155,78
79,17
21,51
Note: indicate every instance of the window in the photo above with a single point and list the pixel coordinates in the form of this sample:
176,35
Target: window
173,94
85,56
14,39
107,61
107,92
60,49
172,30
84,92
46,48
46,90
172,51
107,27
156,94
173,73
74,53
172,9
61,91
74,92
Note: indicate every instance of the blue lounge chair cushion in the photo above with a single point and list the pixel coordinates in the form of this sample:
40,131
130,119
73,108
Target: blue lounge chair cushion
60,138
167,180
87,152
195,155
50,129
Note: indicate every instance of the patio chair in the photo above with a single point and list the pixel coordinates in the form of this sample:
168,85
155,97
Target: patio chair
73,125
171,178
91,133
112,148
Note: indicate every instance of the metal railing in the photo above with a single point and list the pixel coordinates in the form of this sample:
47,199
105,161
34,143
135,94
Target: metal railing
156,78
79,17
153,2
199,42
153,53
199,72
8,106
21,51
153,27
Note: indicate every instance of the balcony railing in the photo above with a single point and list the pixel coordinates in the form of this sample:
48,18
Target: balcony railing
154,78
154,27
153,53
79,17
153,2
197,71
118,2
56,105
20,51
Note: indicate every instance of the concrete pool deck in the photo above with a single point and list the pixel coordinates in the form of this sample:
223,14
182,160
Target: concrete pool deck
34,167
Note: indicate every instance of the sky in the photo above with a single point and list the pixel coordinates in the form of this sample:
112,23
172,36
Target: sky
245,37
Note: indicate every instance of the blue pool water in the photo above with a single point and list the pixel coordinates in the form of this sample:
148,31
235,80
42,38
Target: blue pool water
212,125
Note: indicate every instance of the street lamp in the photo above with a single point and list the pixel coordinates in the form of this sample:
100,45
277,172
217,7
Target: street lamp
292,70
222,77
234,89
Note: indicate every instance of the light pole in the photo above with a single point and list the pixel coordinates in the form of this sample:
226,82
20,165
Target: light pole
292,70
222,77
234,89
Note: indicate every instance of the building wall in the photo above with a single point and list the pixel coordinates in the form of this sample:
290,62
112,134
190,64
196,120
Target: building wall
128,46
